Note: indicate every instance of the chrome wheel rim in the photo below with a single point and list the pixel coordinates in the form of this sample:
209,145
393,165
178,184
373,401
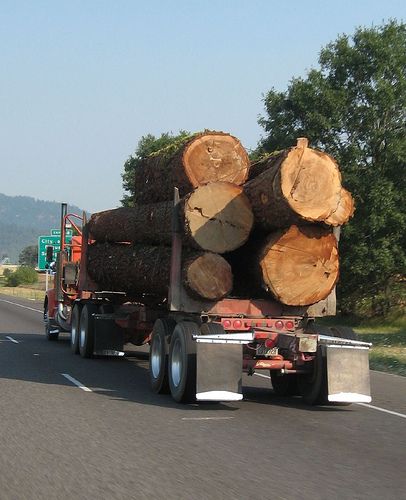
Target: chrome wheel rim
176,363
156,356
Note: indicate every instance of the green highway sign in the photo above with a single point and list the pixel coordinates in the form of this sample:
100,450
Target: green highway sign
43,243
57,232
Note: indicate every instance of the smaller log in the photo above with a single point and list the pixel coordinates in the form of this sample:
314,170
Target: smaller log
143,269
344,212
208,276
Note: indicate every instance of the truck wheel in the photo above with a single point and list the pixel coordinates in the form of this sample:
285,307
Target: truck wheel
182,362
75,329
86,337
284,385
313,387
51,332
158,357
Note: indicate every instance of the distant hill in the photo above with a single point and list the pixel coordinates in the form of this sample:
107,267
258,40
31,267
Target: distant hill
23,219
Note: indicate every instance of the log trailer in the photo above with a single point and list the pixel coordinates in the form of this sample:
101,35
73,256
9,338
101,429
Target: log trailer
199,349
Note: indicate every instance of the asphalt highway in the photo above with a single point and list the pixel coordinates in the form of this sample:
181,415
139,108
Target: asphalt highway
72,428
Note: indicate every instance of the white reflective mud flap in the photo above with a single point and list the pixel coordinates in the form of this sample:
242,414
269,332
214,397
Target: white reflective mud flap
348,374
219,372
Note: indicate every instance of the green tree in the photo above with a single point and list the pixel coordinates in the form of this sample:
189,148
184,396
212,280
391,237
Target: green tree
354,107
147,145
29,256
24,275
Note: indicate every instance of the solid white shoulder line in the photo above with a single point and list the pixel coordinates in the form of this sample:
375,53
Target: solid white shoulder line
401,415
20,305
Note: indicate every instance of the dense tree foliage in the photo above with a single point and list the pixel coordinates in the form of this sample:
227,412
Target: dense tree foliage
147,145
354,107
29,256
24,275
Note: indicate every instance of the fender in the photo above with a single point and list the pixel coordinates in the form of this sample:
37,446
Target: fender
50,303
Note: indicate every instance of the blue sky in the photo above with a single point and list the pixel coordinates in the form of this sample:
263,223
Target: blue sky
82,81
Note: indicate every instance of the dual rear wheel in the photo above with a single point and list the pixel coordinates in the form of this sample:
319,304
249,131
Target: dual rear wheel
82,330
173,359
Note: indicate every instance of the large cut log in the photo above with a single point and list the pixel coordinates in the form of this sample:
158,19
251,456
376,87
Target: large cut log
299,185
216,217
142,269
198,160
299,265
345,210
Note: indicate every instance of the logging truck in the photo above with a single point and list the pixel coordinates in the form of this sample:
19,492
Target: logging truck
199,349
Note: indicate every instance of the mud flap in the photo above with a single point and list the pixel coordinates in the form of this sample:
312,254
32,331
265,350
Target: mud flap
348,374
108,336
219,371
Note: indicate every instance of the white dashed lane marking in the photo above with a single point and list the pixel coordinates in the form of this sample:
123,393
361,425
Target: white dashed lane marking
76,382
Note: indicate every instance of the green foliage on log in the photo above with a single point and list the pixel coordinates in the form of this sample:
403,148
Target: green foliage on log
148,145
353,107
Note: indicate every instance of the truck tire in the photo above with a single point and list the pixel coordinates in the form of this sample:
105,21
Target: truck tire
51,331
182,362
75,329
284,385
313,387
86,337
158,357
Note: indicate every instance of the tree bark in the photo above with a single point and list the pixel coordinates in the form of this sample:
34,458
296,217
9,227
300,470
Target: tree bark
144,270
299,266
151,223
216,217
299,186
204,158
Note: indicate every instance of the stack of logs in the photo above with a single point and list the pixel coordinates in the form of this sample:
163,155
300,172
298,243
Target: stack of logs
248,230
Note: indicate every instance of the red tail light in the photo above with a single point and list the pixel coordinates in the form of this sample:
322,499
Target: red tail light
270,343
237,324
227,323
279,324
290,325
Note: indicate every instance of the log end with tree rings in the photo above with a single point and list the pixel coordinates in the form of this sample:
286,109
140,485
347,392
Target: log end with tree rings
345,210
310,182
208,276
215,156
300,265
218,217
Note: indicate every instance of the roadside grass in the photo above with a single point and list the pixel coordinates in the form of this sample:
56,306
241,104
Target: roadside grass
33,292
388,338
